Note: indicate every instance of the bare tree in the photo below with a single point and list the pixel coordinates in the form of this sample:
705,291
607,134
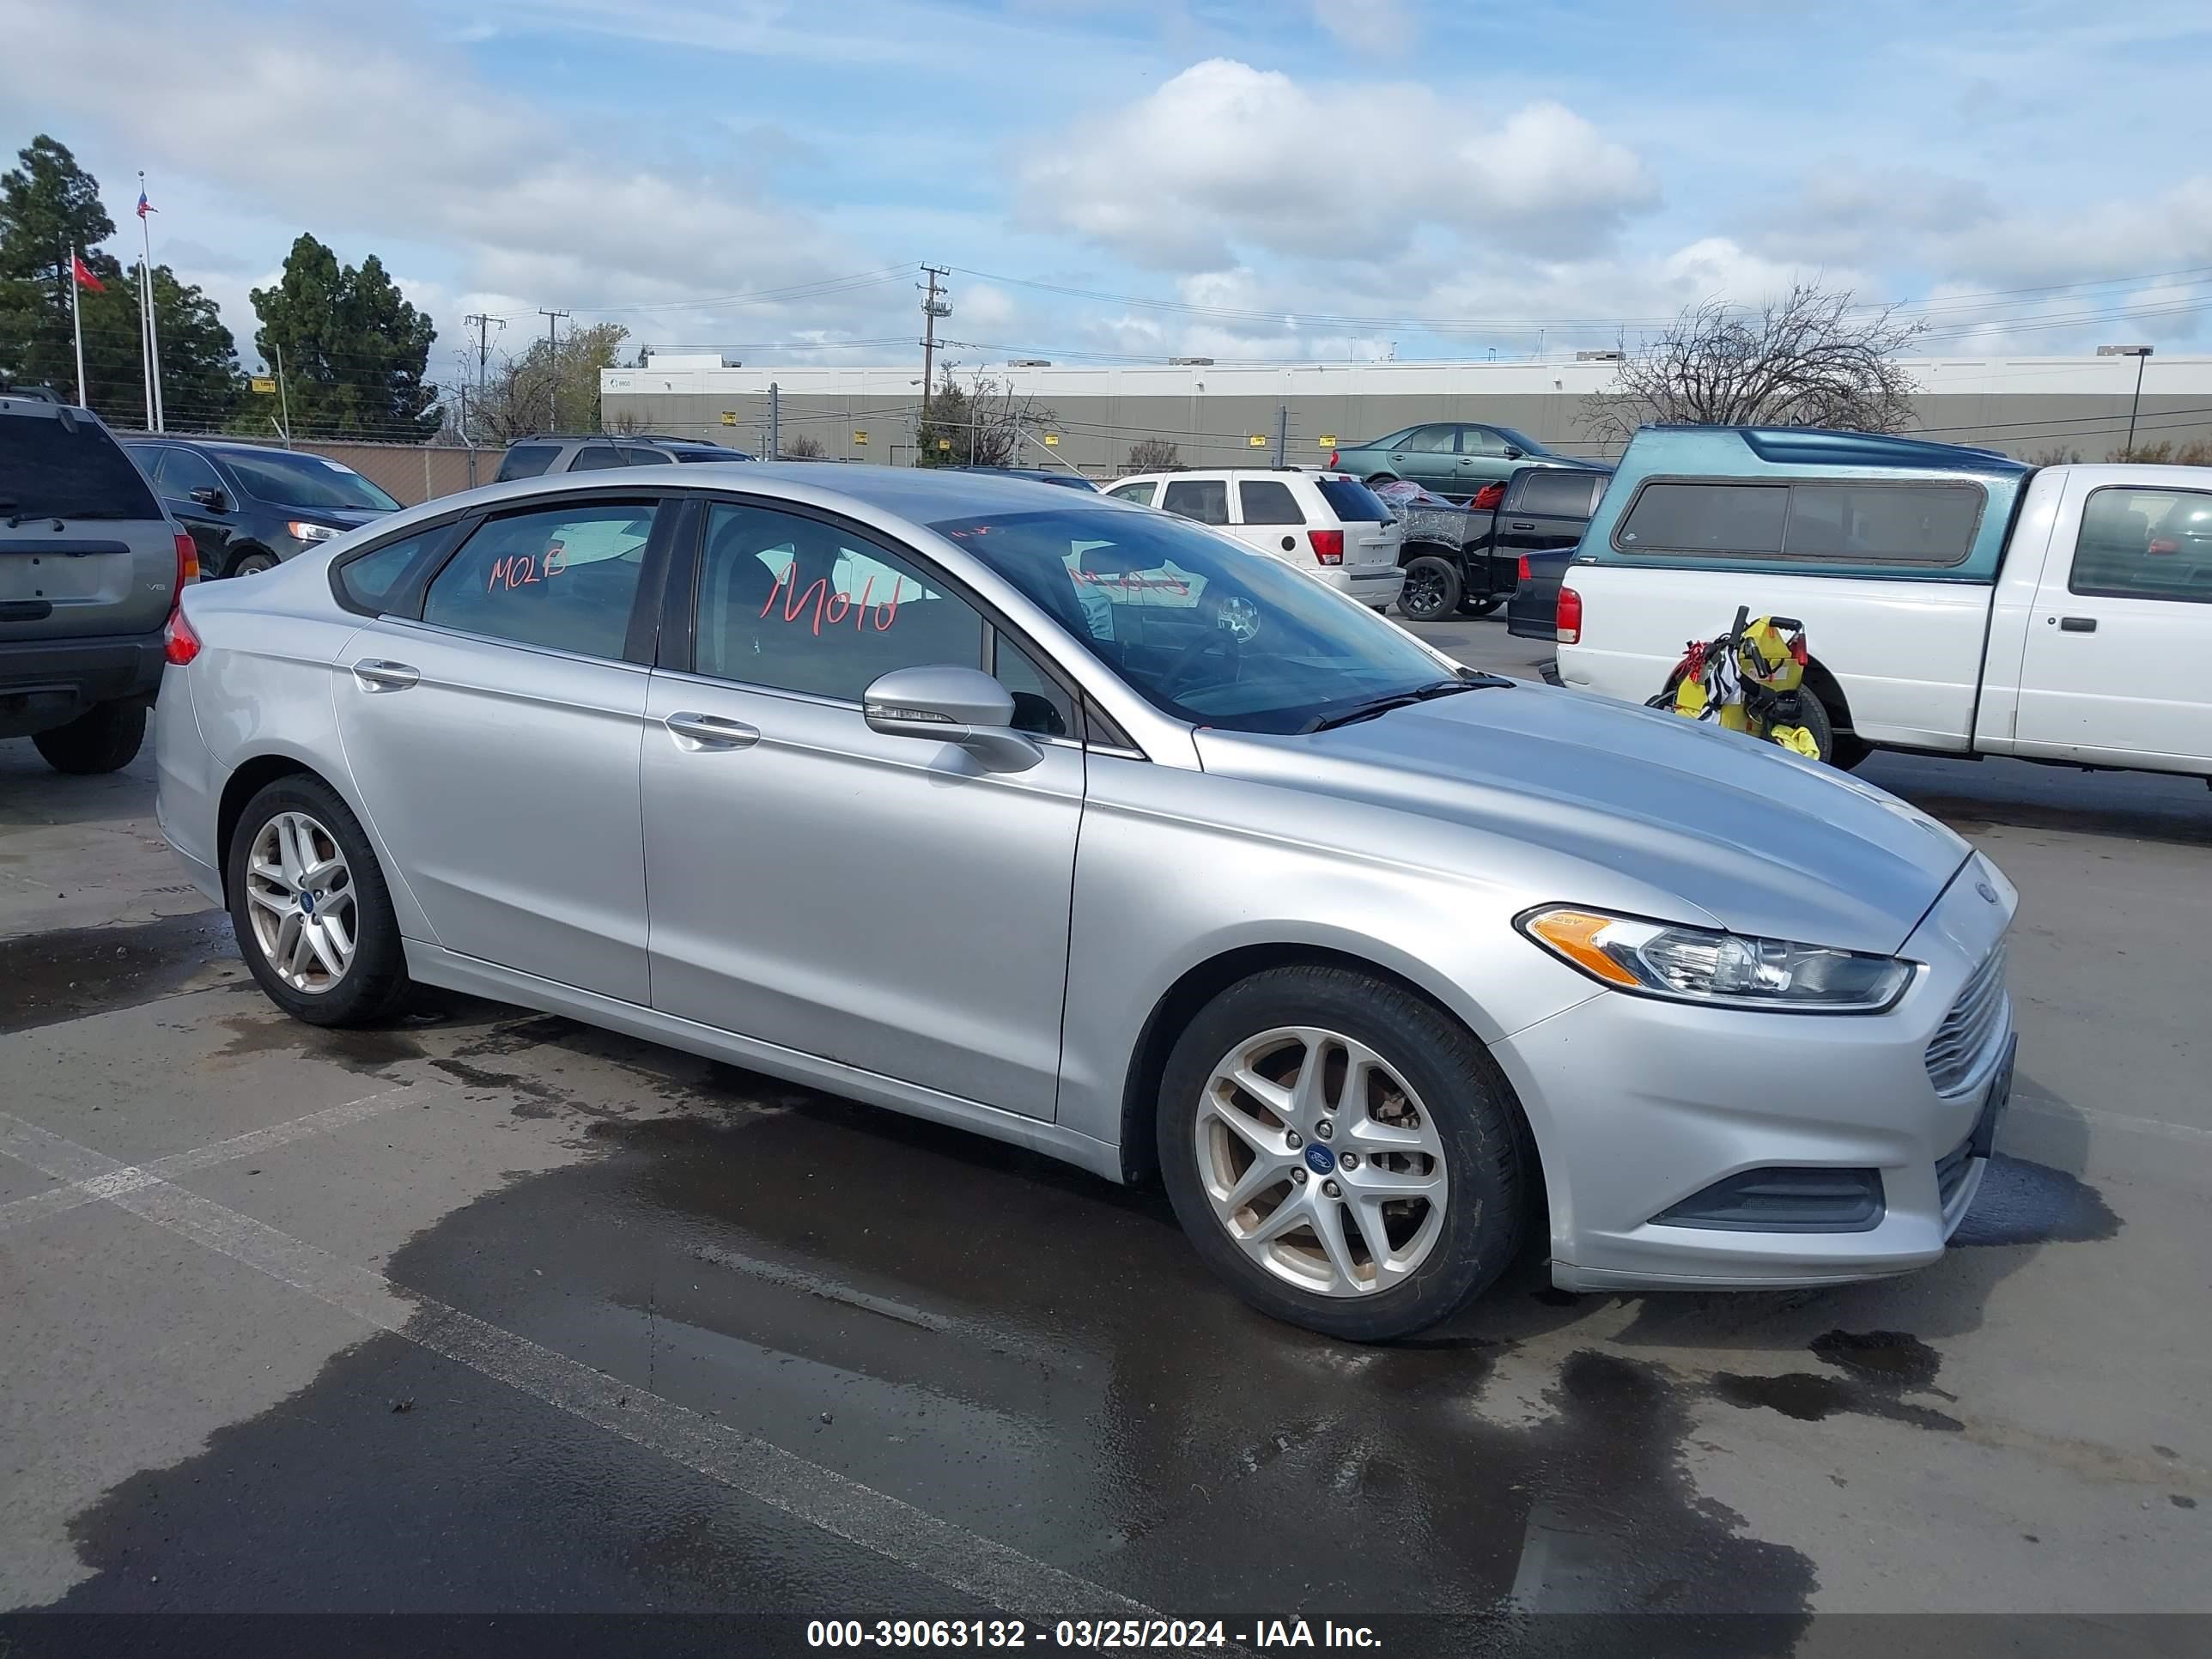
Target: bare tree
1812,359
802,448
528,393
978,425
1154,455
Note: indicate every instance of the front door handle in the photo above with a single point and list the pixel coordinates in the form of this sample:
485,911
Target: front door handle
378,676
1519,525
2077,624
712,731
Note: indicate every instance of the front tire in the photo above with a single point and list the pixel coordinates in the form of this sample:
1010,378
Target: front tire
252,562
106,737
311,910
1480,607
1276,1083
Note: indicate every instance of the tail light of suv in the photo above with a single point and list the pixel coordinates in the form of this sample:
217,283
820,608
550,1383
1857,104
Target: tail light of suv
188,560
1327,545
1571,616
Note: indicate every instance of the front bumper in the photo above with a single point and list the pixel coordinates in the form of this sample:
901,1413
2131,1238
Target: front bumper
1638,1105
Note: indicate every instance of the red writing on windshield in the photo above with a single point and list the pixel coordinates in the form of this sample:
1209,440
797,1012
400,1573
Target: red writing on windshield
832,608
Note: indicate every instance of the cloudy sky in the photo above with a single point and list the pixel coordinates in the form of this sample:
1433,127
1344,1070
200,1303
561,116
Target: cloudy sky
1133,179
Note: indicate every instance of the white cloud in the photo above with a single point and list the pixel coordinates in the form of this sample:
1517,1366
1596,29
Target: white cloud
1225,156
1380,27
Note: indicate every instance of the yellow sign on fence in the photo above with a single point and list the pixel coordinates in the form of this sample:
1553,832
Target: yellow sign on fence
1259,440
1052,438
729,417
264,383
945,443
1326,440
859,437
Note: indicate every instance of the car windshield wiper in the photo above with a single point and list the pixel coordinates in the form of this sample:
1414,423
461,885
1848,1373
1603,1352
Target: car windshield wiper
1368,711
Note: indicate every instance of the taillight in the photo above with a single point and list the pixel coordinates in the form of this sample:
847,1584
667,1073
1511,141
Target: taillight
1489,495
1327,545
1571,616
188,560
178,643
1332,459
1524,567
2164,545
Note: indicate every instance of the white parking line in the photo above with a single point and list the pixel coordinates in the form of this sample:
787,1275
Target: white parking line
999,1578
106,1181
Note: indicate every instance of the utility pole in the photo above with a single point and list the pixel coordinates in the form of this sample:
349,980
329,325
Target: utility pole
552,369
932,309
284,392
1282,432
483,353
775,425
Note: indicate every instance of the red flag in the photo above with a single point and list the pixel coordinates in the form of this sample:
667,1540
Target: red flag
84,277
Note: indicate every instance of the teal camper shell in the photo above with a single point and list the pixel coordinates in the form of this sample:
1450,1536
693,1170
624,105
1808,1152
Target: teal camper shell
1818,503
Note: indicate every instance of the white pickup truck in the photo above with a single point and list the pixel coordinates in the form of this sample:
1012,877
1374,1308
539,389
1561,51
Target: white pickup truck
1954,601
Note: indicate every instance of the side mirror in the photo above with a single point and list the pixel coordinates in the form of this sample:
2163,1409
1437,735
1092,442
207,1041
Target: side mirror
942,704
1511,453
211,498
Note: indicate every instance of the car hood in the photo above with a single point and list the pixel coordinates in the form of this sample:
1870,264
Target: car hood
340,518
1757,840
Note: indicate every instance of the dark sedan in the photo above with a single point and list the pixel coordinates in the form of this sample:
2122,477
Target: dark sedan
248,507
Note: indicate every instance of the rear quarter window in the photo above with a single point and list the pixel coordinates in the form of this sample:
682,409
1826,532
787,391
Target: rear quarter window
77,471
1205,500
1267,501
1351,501
527,461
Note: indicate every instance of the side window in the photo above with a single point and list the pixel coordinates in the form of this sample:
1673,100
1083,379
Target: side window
1705,517
592,457
1480,440
527,461
636,455
1267,501
1041,707
182,472
1429,440
796,605
563,577
369,581
1205,500
1882,523
1141,494
2145,544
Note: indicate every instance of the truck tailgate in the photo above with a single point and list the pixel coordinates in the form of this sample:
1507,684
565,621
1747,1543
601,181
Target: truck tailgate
1907,654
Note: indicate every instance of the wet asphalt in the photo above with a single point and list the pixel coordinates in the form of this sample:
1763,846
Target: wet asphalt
532,1319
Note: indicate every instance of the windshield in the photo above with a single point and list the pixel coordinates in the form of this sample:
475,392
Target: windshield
291,479
49,469
1201,628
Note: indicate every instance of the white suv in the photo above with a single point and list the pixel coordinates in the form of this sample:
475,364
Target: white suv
1329,525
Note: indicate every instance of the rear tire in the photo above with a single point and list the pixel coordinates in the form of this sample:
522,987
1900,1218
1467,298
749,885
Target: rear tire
1432,1083
106,737
1480,607
1432,591
252,562
372,983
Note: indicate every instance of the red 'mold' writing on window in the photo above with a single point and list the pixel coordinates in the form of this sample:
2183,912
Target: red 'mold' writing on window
832,608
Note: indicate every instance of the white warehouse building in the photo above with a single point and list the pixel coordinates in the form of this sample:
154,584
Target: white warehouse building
2036,408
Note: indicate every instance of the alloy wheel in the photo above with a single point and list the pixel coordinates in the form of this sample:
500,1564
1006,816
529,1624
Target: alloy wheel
299,894
1423,595
1320,1162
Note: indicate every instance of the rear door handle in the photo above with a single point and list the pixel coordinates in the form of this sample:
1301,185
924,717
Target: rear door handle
1519,524
2077,624
712,731
378,676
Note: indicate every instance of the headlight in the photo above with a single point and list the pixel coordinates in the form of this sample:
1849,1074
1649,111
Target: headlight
303,531
1692,964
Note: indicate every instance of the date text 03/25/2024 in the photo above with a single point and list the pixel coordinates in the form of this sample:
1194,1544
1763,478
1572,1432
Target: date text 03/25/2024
1169,1634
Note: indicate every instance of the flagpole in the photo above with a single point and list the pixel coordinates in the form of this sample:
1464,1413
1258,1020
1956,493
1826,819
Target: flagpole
145,367
76,328
153,328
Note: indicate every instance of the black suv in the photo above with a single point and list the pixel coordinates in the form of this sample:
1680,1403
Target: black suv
526,458
90,567
248,507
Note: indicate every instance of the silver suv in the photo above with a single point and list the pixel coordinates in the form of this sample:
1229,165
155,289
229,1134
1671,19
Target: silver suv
90,569
530,458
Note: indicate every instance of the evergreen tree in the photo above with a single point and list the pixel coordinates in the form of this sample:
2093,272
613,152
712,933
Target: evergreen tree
354,351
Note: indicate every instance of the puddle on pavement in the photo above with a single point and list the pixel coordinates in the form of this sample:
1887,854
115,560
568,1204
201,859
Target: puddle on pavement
2025,1203
1028,1352
1879,1368
265,1029
74,971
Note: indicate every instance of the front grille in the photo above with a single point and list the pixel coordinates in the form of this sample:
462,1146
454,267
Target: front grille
1969,1030
1951,1170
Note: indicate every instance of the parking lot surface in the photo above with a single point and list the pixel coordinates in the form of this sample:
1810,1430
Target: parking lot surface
490,1311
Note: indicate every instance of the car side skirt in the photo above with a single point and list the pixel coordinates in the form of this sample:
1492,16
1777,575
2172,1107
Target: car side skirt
432,964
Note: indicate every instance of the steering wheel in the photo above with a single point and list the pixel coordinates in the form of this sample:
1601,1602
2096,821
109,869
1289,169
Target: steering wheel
1225,634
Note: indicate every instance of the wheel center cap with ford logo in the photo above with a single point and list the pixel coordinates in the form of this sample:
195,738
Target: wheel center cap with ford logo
307,902
1319,1159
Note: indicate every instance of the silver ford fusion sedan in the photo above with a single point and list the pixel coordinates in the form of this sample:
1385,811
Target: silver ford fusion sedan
1070,823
